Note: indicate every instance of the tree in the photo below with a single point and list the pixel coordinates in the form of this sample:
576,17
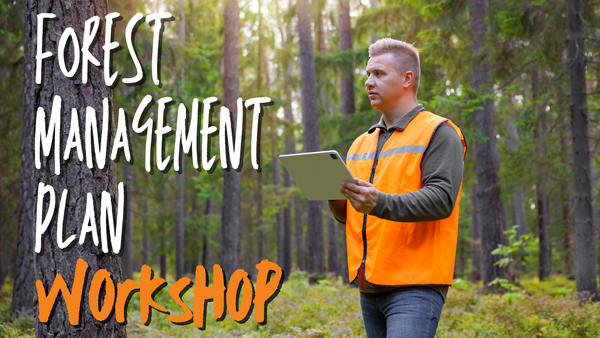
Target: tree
475,238
491,207
127,258
374,5
290,148
540,135
260,183
347,70
2,226
584,251
517,203
23,290
518,198
206,248
180,205
232,188
310,120
76,177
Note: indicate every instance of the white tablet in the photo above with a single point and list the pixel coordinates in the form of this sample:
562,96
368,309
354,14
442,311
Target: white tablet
318,174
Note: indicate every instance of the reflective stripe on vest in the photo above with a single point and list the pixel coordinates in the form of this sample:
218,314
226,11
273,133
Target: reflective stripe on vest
399,253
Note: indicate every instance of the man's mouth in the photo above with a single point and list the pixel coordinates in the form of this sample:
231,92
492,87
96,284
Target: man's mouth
372,95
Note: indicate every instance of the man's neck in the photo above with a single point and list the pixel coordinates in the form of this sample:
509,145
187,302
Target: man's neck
402,108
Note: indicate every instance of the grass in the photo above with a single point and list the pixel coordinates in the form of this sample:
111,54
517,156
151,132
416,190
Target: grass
330,309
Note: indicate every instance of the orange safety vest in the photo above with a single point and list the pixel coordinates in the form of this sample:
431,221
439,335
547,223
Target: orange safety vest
399,253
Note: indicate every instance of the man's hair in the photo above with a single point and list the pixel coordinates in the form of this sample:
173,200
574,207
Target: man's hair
405,54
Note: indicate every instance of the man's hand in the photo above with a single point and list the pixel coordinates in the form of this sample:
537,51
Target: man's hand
361,194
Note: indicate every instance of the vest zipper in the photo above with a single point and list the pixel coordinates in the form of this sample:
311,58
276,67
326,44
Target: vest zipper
371,178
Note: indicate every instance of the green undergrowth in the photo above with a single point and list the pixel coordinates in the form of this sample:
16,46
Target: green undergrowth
331,309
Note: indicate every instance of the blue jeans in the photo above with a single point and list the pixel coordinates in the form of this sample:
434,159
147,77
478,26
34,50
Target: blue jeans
412,311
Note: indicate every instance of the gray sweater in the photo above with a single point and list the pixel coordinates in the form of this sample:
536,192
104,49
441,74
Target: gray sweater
442,172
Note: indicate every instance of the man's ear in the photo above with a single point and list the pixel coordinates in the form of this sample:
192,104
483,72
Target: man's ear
409,78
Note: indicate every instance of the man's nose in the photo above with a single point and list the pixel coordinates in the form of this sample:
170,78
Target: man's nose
369,83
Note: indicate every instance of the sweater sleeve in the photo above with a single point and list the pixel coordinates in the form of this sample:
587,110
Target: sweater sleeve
442,172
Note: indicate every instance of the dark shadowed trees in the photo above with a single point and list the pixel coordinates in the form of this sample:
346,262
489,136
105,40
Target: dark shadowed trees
23,290
491,207
584,251
180,204
476,257
310,120
347,71
540,136
232,186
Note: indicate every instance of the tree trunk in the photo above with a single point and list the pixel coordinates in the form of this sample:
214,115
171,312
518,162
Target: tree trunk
332,252
290,148
519,217
491,207
157,249
594,179
568,238
180,205
24,290
347,71
259,211
594,193
543,200
76,176
374,5
232,187
299,234
310,120
260,182
343,264
127,259
163,263
207,260
540,135
476,258
321,48
518,212
180,217
584,252
194,246
146,239
2,265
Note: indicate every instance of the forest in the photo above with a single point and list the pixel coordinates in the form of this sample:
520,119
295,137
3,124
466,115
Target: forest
521,78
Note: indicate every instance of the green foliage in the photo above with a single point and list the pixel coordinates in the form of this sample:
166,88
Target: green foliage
511,253
332,309
513,292
514,251
22,326
460,283
539,314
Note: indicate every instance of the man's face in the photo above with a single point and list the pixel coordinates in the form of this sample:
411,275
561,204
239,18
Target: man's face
384,84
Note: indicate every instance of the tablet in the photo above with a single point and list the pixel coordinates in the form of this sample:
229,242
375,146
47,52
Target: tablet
318,174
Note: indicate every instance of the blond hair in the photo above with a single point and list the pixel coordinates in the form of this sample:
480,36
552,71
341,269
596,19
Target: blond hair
405,54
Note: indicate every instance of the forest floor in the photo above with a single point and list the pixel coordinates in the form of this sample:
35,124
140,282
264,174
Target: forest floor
331,309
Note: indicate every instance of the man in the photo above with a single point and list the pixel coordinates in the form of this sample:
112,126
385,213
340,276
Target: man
402,210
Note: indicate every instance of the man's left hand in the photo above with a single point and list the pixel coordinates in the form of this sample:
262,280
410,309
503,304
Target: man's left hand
361,194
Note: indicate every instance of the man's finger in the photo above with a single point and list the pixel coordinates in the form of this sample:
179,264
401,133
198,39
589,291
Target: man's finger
354,188
362,183
354,202
350,194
